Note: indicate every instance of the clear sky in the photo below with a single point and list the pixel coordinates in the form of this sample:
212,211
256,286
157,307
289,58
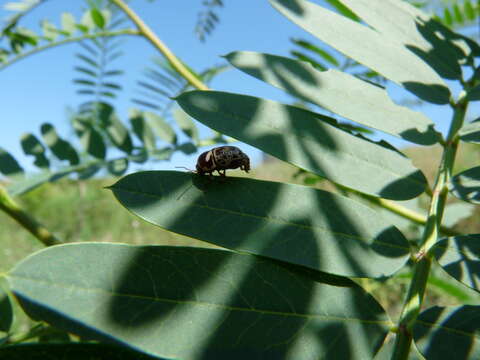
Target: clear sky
39,88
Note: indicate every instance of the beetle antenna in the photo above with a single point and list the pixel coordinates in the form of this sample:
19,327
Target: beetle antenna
183,167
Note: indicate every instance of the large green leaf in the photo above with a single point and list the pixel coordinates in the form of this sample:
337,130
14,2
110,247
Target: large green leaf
375,50
70,351
460,257
193,303
399,21
448,333
308,141
338,92
295,224
466,185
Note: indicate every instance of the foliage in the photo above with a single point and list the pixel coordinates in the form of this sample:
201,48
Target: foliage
290,278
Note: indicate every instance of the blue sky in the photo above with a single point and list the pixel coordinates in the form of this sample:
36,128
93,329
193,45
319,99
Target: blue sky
39,89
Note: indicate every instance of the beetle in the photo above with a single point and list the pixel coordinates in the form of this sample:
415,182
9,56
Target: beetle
222,158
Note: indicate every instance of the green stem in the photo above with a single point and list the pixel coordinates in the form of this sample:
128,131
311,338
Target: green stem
421,269
176,63
16,212
67,41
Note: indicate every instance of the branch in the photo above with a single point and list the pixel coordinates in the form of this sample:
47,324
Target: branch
176,63
16,212
67,41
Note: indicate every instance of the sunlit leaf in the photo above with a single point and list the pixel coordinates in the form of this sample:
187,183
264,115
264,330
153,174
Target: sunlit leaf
466,185
296,224
474,93
401,22
9,166
319,51
162,129
448,333
68,23
338,92
117,167
32,146
142,130
90,138
471,132
62,149
460,257
157,299
186,123
308,141
368,47
116,131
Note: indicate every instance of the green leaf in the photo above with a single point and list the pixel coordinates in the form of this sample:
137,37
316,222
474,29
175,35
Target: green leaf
448,332
373,49
70,351
187,148
474,93
460,257
447,16
466,185
458,14
193,303
9,165
342,9
87,21
142,130
97,18
163,130
469,10
338,92
317,50
62,149
116,131
471,132
456,212
32,146
50,32
401,22
68,23
186,123
308,141
91,139
295,224
6,311
300,56
117,167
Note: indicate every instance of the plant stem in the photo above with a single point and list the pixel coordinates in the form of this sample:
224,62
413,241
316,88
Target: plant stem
16,212
421,269
176,63
67,41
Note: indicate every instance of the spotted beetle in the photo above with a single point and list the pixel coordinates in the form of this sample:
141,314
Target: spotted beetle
222,158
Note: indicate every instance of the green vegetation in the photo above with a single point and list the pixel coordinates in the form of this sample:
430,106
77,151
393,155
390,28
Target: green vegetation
377,257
